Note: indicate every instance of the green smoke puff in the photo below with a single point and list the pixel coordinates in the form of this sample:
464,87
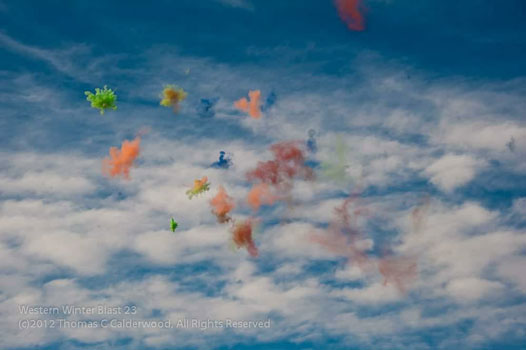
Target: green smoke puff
102,99
173,225
336,169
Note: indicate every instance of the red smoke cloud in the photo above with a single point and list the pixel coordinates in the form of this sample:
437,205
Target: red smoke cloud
222,204
120,161
349,11
242,236
288,163
277,175
344,238
250,106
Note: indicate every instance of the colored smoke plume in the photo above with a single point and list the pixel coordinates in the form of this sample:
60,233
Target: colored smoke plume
200,186
222,204
343,236
337,167
224,162
288,163
260,194
252,105
276,176
399,271
172,96
349,12
242,236
120,161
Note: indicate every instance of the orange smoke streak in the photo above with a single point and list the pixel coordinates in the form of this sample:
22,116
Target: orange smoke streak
222,204
259,195
242,236
120,161
251,106
349,11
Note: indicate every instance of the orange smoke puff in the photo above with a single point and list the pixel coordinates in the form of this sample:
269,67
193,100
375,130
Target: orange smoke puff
400,271
120,161
242,236
251,106
349,11
260,194
222,204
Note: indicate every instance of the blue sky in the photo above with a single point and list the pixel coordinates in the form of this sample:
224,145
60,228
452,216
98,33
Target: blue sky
426,101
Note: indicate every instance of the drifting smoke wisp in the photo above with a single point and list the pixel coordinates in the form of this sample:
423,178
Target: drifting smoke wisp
349,12
343,236
120,161
277,175
337,167
288,163
242,236
222,204
260,194
399,271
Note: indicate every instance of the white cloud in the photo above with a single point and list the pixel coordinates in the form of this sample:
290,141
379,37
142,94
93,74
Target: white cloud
293,240
76,61
350,273
519,207
472,288
84,254
482,135
197,243
45,183
452,171
374,294
512,269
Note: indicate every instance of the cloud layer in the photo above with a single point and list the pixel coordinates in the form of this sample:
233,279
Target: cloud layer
70,235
